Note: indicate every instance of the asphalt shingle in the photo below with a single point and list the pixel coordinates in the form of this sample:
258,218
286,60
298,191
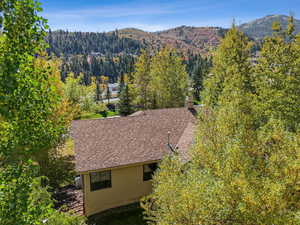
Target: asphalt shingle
113,142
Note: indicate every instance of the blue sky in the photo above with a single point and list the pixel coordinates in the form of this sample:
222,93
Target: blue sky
155,15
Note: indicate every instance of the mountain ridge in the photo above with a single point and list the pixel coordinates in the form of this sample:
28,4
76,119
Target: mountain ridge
202,39
187,39
262,27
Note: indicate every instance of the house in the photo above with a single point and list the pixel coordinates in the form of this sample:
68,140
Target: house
116,157
113,91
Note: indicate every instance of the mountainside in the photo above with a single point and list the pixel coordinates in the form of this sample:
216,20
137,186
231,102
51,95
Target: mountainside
131,40
260,28
184,38
78,43
114,53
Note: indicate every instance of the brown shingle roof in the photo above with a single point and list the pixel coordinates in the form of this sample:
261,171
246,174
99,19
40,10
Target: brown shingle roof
112,142
186,141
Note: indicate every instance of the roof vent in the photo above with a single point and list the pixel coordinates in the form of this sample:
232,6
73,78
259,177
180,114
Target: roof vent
170,146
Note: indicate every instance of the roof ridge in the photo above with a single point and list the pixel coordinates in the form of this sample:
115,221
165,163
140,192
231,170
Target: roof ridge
131,115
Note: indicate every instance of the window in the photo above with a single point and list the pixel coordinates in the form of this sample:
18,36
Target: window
100,180
149,170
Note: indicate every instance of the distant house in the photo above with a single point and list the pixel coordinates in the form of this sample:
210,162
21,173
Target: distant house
113,89
116,157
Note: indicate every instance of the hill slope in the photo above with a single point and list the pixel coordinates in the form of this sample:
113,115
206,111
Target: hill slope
184,38
131,40
262,27
77,43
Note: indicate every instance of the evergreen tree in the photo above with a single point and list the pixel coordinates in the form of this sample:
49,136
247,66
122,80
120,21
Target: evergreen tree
79,43
125,102
98,91
200,71
108,94
121,83
112,66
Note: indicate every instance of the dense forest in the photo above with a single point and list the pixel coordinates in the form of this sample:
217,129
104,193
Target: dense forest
93,54
76,43
114,53
96,66
102,54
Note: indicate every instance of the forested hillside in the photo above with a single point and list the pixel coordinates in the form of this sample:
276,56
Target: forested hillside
94,65
93,54
132,40
74,43
184,38
113,53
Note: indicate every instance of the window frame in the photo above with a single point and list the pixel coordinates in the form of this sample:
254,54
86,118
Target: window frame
102,184
148,175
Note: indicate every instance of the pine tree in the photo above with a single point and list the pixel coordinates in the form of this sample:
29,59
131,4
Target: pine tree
125,101
108,94
200,71
98,90
121,83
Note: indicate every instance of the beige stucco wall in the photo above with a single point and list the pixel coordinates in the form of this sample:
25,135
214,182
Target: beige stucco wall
127,187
